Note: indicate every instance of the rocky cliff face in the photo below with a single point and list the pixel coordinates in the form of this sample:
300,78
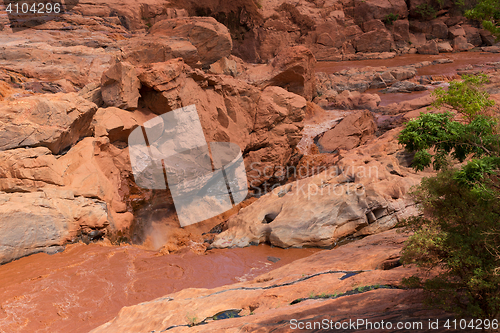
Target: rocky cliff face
345,29
75,143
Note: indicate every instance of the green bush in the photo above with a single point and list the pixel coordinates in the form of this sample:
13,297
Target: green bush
304,22
426,11
457,237
391,18
488,13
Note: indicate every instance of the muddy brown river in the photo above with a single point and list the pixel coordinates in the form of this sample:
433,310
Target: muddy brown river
86,285
460,60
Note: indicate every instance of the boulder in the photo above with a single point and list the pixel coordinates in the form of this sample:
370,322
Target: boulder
455,20
120,86
117,124
420,27
276,132
418,39
366,10
211,38
352,31
162,76
292,69
151,49
374,41
349,100
330,34
373,25
26,170
44,221
460,44
354,130
473,36
54,121
456,31
405,87
439,30
487,38
411,105
224,66
369,101
401,30
428,48
266,124
444,47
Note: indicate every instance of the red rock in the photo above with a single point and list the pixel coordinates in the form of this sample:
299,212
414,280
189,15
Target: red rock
439,30
44,221
354,130
460,44
353,31
330,34
159,75
374,41
444,47
120,86
292,69
55,121
366,10
418,39
429,48
373,25
148,49
420,27
473,36
487,37
456,31
211,38
401,30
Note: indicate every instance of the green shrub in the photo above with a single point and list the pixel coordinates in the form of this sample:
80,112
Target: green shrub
488,13
457,237
426,11
391,18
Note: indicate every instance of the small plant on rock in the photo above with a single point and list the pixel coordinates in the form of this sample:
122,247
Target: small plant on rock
391,18
191,319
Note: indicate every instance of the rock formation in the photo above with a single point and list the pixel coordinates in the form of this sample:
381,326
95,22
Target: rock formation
363,193
76,142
